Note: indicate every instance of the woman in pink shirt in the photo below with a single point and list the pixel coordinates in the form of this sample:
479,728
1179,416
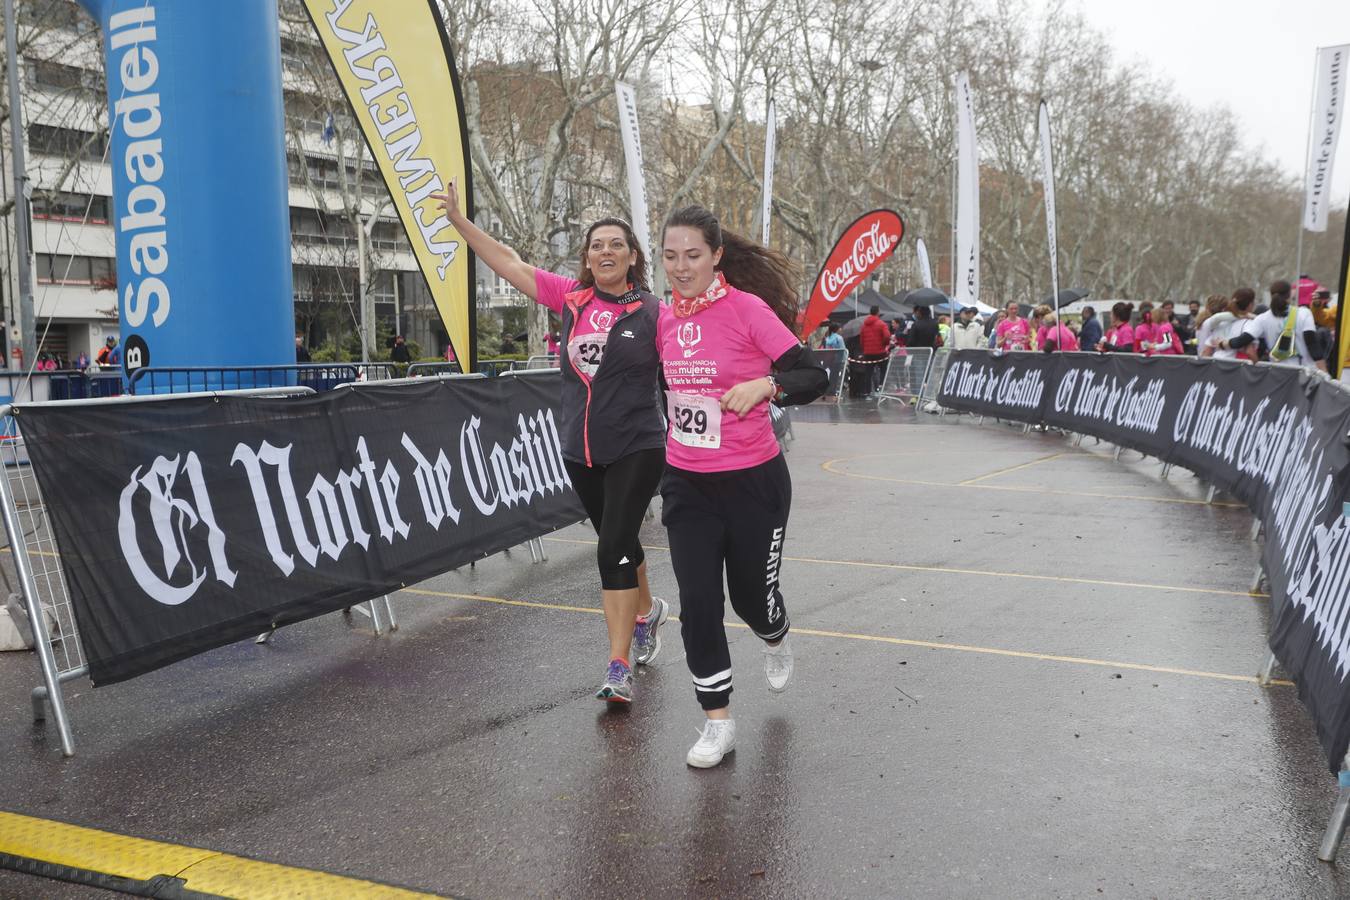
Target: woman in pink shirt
1119,338
727,348
1038,325
1165,339
1143,332
1055,336
1013,333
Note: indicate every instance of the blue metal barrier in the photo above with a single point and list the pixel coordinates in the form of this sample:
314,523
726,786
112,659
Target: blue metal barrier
76,385
183,379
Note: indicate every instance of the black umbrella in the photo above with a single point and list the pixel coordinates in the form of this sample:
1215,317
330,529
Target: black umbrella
1066,296
925,297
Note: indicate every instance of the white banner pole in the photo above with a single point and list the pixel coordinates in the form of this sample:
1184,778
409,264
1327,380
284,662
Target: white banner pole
1048,181
968,198
632,152
770,148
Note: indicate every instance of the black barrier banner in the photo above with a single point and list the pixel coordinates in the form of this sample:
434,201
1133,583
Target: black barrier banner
1275,437
187,524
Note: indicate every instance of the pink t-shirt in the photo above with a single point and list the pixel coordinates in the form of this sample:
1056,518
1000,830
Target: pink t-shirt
736,339
590,332
1165,341
1061,335
1143,334
1013,334
1120,336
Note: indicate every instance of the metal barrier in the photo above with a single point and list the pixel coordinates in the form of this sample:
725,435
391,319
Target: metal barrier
928,395
75,385
46,609
906,373
378,371
419,369
549,361
494,367
214,379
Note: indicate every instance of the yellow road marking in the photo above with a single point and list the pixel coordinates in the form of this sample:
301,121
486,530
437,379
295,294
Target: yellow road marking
204,871
1005,471
985,573
829,464
31,552
881,639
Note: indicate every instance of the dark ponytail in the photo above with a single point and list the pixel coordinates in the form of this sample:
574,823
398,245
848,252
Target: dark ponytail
751,267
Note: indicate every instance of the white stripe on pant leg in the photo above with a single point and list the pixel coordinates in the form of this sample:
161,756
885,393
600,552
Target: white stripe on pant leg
776,635
717,689
724,675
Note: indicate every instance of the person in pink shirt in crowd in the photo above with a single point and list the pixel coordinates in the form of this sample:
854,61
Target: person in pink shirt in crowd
1307,287
1143,332
1038,325
1055,336
728,347
1119,338
1013,333
1166,341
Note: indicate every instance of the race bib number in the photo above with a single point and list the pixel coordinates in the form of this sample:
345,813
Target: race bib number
695,420
586,352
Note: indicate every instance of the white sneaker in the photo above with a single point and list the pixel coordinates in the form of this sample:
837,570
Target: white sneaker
778,665
717,739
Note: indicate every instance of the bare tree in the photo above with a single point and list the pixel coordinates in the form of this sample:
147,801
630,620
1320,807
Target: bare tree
534,75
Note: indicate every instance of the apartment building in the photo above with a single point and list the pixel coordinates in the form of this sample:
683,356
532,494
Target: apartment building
75,296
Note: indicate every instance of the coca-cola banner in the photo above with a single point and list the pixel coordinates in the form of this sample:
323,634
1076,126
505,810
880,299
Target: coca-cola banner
187,524
1275,437
864,245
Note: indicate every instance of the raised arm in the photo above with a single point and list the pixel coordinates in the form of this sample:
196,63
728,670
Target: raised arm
500,258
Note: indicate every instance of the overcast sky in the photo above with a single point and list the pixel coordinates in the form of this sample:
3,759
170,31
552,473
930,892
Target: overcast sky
1255,56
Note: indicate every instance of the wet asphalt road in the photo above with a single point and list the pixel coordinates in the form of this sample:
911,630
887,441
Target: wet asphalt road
926,748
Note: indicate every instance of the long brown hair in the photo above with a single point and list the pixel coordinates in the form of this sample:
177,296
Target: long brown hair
1243,300
751,267
1214,304
637,272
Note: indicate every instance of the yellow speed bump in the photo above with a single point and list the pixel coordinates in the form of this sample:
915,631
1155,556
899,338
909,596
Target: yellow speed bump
73,853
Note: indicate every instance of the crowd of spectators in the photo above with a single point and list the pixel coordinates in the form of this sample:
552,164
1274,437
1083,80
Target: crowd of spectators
1296,327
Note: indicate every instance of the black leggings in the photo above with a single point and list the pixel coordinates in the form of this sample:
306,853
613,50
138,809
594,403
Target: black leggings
616,496
735,520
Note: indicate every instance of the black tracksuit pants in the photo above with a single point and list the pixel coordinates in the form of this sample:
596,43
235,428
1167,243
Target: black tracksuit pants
733,522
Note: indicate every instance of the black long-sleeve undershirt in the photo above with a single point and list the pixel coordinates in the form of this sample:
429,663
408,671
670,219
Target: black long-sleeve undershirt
801,378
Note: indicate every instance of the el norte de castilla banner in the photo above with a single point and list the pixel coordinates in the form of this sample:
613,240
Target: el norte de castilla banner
393,60
194,522
1272,436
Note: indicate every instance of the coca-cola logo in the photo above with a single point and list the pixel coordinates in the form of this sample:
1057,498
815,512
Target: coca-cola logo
869,249
865,244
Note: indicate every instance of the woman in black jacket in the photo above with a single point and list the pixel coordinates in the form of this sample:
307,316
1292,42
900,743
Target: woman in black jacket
613,430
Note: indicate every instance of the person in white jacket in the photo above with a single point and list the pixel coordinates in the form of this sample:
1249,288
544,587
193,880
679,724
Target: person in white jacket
968,333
